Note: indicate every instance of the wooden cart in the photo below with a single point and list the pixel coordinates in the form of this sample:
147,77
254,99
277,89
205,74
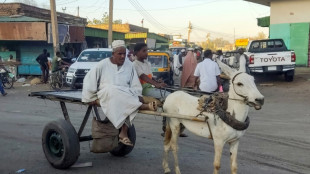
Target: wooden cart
60,140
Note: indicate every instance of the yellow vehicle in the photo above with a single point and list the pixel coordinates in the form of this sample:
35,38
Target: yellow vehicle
160,63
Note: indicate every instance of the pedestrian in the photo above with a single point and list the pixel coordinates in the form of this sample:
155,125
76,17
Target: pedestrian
242,60
2,89
189,66
43,61
219,55
178,61
12,68
208,72
197,54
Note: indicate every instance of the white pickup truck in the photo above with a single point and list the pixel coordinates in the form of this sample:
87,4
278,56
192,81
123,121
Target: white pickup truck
271,56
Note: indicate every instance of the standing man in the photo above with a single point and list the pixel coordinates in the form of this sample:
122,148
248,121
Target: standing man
189,66
208,72
2,89
219,55
178,61
43,61
242,60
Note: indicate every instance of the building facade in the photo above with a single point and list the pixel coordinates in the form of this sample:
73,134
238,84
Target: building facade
290,21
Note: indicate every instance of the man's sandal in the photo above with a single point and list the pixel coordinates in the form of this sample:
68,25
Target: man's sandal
126,141
153,106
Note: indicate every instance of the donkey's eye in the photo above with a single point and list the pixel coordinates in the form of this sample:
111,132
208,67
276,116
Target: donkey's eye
239,84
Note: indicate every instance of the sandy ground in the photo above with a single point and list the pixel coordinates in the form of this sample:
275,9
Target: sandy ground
277,141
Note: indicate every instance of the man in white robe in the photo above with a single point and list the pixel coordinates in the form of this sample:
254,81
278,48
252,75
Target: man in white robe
114,82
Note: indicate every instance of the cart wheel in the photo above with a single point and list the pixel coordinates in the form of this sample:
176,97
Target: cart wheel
122,149
60,144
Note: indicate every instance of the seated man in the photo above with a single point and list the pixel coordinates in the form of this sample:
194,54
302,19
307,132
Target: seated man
143,68
58,63
114,82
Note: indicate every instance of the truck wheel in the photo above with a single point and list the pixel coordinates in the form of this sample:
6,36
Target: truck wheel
60,144
289,76
122,149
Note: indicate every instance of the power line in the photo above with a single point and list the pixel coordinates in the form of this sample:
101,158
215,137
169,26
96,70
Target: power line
189,6
149,17
146,15
68,2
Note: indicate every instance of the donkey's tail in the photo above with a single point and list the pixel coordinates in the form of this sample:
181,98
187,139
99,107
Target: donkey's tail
168,133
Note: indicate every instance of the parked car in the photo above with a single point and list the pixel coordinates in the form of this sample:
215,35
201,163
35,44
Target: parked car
230,53
227,57
271,56
86,60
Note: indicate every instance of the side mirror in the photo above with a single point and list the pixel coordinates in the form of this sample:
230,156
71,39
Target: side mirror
73,59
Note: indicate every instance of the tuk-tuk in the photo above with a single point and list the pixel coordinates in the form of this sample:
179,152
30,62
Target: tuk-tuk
160,63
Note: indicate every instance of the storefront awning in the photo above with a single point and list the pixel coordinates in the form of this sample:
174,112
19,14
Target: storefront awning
264,21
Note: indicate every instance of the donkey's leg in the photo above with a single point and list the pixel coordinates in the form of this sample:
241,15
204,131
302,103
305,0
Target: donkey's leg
174,145
233,156
218,148
167,145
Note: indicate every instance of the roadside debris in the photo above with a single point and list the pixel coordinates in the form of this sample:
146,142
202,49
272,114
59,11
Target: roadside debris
86,164
266,84
21,80
35,81
20,170
26,85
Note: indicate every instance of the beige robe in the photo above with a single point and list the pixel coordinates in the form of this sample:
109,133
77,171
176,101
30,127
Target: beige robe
116,88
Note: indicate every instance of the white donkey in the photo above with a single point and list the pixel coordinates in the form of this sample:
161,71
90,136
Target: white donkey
242,94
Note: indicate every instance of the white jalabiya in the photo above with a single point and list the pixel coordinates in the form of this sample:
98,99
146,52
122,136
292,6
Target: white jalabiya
116,88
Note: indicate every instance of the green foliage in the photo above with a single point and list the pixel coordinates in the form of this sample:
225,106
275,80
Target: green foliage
104,20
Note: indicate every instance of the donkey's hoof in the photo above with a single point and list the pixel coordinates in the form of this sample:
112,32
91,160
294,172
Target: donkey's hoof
168,171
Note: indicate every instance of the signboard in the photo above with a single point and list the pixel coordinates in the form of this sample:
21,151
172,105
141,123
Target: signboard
135,35
34,31
242,42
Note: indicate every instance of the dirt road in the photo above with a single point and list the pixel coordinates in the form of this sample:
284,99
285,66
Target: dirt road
277,141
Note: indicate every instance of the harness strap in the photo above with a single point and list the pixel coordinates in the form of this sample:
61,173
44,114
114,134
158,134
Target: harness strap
244,97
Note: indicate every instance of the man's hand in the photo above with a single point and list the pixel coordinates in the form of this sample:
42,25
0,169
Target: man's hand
160,85
94,103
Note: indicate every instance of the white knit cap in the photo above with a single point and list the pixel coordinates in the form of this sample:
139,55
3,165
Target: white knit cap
118,43
183,50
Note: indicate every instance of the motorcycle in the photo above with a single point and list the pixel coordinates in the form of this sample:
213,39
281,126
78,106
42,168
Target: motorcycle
7,78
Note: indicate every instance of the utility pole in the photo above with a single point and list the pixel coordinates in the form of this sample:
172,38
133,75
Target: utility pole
234,38
110,24
78,11
54,26
189,31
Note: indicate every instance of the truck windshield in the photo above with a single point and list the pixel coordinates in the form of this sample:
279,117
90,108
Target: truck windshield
94,56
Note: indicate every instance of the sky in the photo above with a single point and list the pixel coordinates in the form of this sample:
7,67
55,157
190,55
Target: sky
226,19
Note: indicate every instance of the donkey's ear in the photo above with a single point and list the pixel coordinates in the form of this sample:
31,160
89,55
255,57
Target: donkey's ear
226,69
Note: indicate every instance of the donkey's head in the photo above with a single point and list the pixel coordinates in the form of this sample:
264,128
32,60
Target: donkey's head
242,86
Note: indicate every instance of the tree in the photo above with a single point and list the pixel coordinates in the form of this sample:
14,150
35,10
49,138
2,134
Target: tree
259,36
214,44
104,20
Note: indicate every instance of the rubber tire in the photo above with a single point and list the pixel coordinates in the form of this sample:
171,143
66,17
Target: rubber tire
122,149
70,142
289,77
10,85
